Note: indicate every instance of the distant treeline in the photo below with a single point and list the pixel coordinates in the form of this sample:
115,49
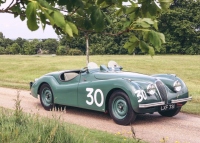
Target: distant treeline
180,25
64,46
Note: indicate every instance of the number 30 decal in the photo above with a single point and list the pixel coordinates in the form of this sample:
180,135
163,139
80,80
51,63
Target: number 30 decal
94,99
141,94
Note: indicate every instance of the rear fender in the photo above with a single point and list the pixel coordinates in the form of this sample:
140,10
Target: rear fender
45,79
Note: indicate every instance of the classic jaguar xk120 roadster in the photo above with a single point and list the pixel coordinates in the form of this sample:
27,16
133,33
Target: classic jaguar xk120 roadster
108,88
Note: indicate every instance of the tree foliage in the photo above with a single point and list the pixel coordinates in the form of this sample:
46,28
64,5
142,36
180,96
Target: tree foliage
50,45
71,16
181,26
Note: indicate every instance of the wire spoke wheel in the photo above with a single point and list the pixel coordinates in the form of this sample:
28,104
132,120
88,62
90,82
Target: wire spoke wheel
46,97
120,108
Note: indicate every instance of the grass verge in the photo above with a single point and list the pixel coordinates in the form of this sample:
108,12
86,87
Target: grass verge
17,126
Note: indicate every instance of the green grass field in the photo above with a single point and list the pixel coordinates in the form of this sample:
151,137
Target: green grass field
18,71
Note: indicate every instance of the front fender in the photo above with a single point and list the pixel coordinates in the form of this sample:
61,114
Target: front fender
130,88
169,79
140,97
135,92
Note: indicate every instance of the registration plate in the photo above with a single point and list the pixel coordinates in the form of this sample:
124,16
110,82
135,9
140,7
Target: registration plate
167,107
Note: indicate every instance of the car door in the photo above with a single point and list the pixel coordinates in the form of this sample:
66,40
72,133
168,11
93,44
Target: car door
90,93
66,92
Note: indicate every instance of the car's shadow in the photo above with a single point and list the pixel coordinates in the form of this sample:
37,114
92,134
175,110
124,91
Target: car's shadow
141,118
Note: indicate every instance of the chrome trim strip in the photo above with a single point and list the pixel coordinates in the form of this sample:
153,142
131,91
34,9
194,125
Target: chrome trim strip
158,91
151,104
181,100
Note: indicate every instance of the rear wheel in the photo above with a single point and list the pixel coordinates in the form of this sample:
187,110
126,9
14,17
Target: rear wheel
170,113
46,97
120,108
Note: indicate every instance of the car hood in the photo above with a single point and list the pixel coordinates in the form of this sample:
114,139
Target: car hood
126,75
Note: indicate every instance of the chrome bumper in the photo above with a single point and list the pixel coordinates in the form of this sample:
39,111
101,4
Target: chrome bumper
151,104
163,103
181,100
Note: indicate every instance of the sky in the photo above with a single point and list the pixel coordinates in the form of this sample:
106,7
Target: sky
13,28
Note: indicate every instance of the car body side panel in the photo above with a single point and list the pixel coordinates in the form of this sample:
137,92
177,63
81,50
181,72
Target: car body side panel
65,93
92,93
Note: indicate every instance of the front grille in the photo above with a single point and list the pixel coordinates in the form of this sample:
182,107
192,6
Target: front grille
162,90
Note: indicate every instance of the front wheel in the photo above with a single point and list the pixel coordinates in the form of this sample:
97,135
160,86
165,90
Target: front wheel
120,108
170,113
46,97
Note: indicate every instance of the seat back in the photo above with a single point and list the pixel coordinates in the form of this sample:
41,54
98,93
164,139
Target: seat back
70,75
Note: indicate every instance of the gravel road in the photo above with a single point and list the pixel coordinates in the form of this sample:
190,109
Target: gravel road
184,128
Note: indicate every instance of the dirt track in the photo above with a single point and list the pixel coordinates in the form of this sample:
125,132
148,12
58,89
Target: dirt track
184,128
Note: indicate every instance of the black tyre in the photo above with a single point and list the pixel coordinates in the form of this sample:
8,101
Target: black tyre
120,108
170,113
46,97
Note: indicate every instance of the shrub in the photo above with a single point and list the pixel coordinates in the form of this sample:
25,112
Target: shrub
62,50
75,52
2,50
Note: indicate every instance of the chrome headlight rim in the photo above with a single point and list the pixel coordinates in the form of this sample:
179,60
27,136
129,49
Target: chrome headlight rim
151,89
177,86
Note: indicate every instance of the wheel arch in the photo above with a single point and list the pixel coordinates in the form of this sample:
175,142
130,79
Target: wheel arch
109,95
46,97
120,116
50,80
40,86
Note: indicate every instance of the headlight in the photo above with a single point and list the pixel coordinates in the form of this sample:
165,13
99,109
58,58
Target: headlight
151,89
177,86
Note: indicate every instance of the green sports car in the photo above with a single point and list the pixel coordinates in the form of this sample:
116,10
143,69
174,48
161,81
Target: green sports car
109,89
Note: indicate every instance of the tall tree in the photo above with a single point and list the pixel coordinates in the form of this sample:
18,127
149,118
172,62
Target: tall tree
20,42
7,42
15,48
50,45
181,26
1,35
1,39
